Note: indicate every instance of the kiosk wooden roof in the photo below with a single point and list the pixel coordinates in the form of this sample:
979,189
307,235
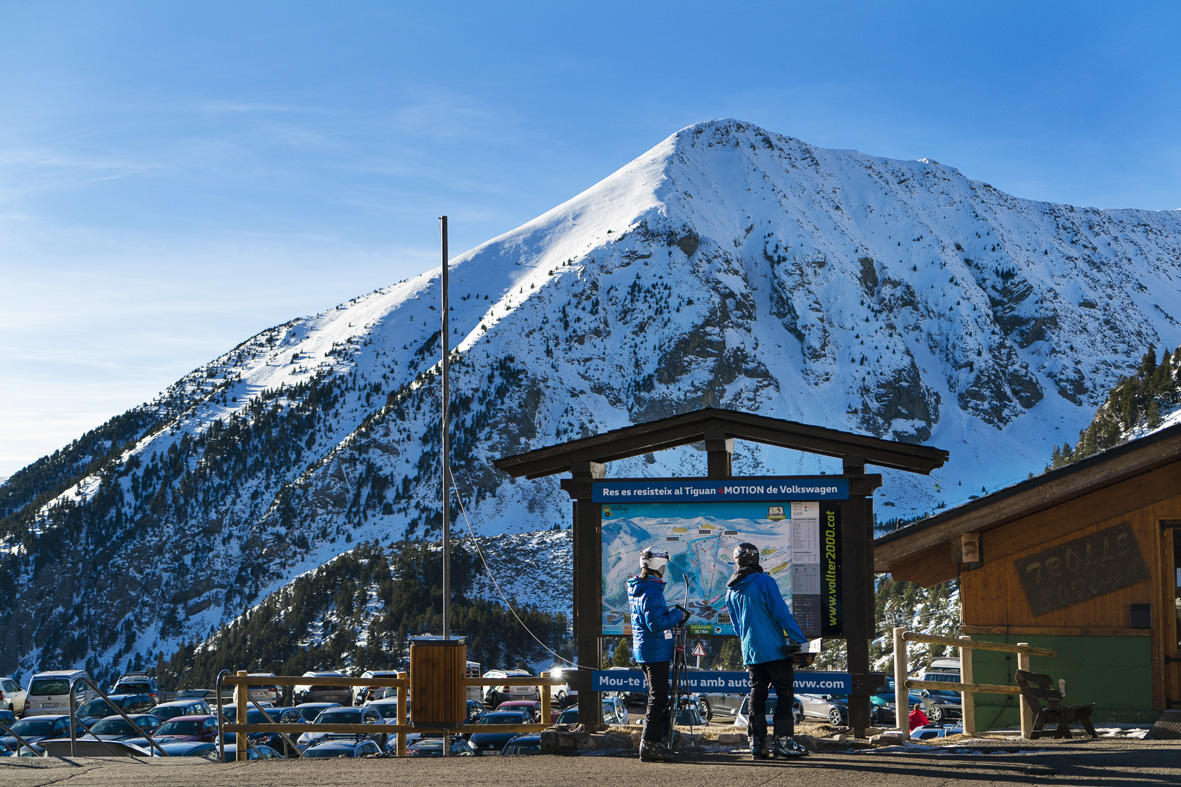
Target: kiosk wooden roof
712,424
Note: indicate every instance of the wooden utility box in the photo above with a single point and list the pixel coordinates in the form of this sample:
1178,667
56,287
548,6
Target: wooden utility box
437,672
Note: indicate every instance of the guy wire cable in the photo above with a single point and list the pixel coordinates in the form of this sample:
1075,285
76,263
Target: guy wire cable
492,576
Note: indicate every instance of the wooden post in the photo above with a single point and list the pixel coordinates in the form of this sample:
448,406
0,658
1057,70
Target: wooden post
901,695
1026,713
544,692
588,587
403,701
967,698
241,700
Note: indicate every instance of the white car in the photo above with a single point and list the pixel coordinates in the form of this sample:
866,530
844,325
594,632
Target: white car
494,695
12,696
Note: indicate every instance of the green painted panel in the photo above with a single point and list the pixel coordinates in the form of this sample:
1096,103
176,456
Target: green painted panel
1115,673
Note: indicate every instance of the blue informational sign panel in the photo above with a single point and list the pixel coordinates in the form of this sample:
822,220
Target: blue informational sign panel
646,490
794,522
709,682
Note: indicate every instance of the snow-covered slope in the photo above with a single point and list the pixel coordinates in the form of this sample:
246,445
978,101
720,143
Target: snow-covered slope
726,267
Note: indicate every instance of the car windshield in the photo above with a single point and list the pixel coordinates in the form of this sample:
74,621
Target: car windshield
328,752
33,727
164,713
180,727
501,717
116,726
387,710
96,708
49,686
340,716
311,713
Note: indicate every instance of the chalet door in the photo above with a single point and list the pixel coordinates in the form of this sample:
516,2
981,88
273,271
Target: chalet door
1172,614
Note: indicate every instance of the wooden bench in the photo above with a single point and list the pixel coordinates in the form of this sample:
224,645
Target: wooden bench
1036,688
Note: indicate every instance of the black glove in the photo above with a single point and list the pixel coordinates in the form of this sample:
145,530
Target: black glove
684,613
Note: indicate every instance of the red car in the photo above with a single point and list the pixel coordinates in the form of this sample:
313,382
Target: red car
187,728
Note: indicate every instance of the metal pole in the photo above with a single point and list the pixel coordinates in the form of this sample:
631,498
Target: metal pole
443,453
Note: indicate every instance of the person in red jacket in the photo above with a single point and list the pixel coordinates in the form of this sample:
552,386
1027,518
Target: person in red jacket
917,717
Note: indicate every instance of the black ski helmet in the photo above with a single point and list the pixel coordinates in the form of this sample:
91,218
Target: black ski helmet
746,554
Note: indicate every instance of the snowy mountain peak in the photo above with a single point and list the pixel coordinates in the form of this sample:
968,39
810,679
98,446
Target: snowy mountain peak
727,267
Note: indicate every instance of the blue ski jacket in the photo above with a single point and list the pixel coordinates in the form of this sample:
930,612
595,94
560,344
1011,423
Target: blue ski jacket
760,616
652,620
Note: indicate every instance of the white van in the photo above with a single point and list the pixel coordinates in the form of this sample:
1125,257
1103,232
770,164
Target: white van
49,692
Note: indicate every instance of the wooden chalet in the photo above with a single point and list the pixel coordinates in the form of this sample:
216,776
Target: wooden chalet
1086,560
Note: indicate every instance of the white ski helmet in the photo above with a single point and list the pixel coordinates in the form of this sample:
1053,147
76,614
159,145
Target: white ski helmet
654,560
746,554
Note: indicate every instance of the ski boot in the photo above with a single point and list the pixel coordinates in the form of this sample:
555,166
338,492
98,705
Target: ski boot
758,749
784,746
655,751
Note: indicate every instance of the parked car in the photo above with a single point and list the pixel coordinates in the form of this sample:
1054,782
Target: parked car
723,706
614,712
526,743
388,708
562,695
494,695
171,710
92,710
266,692
37,728
942,706
137,683
363,694
742,718
49,692
188,728
930,731
433,747
343,747
117,728
344,715
204,749
884,698
312,692
310,710
493,742
253,716
831,707
256,751
531,707
12,696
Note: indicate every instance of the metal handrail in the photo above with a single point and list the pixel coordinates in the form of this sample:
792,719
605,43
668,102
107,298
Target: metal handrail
221,735
74,718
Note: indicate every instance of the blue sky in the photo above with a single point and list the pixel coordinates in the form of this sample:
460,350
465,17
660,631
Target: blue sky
175,177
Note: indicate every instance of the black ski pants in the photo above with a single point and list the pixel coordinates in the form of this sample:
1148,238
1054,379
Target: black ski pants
782,676
656,714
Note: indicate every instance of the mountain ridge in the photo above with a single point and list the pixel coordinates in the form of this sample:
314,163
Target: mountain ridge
727,266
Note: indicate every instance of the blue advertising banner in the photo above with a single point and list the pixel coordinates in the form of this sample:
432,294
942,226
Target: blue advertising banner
644,490
721,682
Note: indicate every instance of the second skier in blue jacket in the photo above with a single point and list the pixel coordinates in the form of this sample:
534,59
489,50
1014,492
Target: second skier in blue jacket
764,625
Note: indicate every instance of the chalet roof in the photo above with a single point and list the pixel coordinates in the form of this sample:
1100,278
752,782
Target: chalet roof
1029,497
689,428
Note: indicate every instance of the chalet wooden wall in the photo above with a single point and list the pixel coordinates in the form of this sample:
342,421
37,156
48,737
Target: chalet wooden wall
993,596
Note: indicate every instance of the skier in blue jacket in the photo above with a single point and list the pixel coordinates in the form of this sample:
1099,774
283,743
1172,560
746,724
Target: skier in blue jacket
652,647
764,624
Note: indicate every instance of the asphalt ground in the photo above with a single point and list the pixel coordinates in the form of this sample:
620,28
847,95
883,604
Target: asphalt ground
1106,762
